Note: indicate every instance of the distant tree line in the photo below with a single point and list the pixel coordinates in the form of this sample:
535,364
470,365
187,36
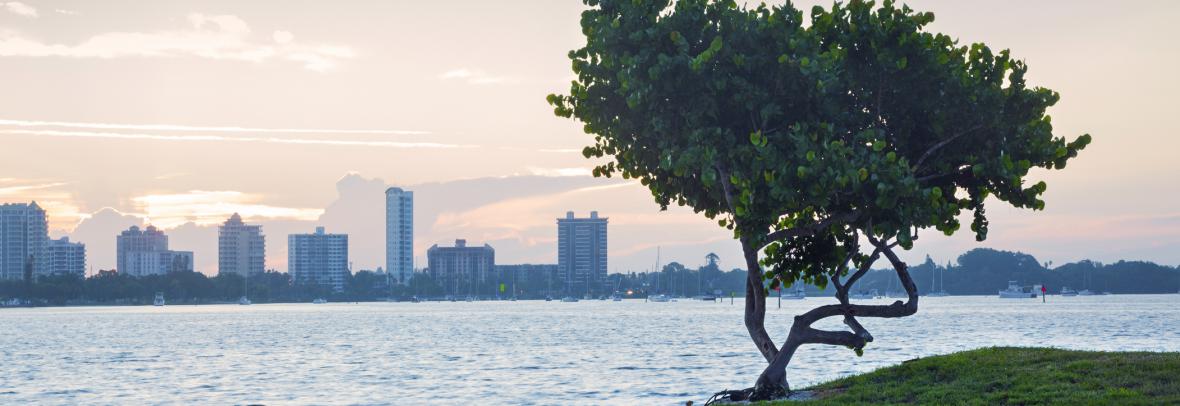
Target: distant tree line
977,272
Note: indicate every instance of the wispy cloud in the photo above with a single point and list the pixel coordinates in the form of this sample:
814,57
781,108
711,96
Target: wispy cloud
560,172
167,176
219,138
20,9
175,127
201,207
477,77
222,37
12,190
66,12
561,150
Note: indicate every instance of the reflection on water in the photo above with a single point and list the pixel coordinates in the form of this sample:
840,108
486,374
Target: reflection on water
527,352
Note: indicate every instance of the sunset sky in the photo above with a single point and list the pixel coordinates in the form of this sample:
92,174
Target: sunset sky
299,113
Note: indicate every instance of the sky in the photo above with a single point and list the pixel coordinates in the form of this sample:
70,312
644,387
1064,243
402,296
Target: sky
299,113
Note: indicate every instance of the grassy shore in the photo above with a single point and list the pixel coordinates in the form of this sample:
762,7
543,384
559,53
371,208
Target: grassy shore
1020,376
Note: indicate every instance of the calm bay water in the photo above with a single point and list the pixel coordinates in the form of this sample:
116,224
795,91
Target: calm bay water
526,352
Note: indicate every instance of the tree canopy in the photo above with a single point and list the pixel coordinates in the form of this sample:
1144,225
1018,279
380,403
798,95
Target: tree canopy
791,134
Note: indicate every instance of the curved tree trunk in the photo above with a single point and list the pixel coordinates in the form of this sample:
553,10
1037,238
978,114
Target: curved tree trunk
772,383
755,312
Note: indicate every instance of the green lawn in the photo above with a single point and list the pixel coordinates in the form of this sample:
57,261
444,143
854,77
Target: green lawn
1020,376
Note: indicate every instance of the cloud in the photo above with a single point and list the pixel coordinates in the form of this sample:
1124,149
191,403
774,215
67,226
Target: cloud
60,205
283,37
21,9
560,172
66,12
218,138
476,77
211,207
219,37
176,127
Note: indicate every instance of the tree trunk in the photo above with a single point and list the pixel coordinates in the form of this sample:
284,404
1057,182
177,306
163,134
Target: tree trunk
755,311
772,383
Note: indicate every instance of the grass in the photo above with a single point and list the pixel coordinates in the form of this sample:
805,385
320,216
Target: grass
1016,376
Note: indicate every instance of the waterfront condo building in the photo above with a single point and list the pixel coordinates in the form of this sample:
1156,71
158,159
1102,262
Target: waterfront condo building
462,270
66,257
582,254
145,252
399,235
241,248
24,238
318,259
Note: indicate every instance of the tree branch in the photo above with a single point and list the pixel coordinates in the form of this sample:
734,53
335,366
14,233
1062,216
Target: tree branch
808,229
842,295
941,144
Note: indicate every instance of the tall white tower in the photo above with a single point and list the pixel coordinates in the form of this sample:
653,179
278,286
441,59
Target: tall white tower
399,234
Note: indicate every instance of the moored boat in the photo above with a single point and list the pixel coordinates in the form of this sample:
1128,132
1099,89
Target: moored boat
1015,291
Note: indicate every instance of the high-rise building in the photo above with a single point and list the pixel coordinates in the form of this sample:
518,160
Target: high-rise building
399,234
318,259
241,248
145,252
66,257
24,237
463,270
582,254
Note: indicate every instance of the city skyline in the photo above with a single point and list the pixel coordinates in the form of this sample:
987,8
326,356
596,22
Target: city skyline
478,99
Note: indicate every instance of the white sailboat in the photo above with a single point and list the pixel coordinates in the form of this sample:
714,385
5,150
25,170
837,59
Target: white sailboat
1067,292
245,299
159,300
941,292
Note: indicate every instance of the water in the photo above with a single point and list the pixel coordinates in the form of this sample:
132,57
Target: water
526,352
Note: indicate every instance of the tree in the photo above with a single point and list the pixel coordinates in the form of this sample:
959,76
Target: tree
807,142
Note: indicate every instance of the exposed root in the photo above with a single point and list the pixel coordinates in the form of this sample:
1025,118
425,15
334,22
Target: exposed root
765,393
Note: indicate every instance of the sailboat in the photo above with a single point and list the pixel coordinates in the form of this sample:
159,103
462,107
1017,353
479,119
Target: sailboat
865,295
245,300
159,300
894,294
1086,283
659,297
941,292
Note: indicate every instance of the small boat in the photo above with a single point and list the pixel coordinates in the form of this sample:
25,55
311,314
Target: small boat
548,298
159,300
319,300
865,295
569,299
415,299
941,293
244,301
1067,292
798,294
469,298
616,298
897,294
1086,292
1014,291
658,298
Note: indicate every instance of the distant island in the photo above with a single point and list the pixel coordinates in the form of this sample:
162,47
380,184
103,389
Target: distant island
980,271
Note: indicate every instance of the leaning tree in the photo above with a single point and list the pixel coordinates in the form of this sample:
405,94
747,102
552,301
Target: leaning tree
822,146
